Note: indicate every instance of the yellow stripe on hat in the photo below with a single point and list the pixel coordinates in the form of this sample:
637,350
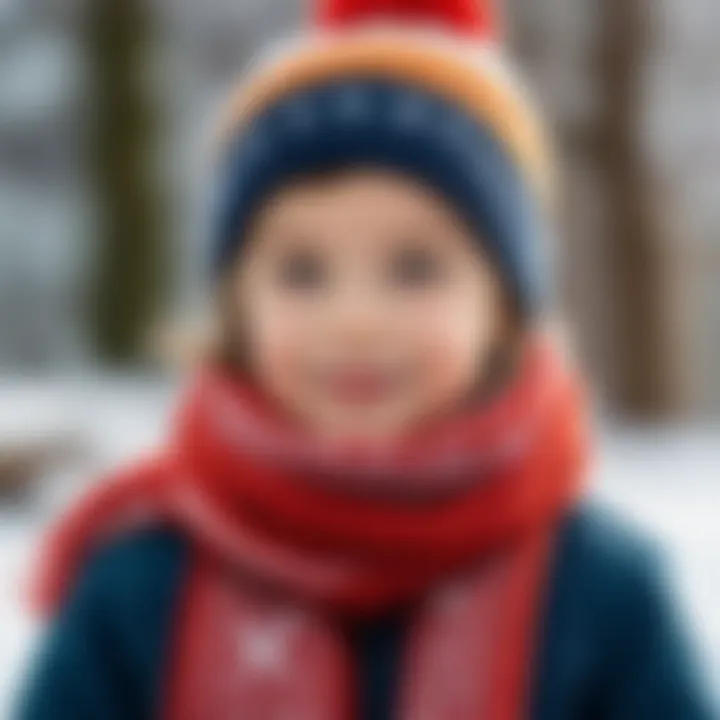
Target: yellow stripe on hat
464,75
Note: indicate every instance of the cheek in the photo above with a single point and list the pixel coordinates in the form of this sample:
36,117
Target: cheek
280,333
453,343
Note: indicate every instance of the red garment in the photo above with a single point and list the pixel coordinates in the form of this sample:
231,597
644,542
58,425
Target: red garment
463,17
285,543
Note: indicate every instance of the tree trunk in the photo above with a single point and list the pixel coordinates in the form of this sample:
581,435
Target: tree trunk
636,253
128,248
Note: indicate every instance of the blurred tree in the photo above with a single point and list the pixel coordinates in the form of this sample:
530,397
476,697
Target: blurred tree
647,386
129,251
589,61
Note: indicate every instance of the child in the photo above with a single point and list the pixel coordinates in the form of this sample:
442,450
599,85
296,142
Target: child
370,504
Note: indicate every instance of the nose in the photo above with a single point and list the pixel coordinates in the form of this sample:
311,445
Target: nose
358,314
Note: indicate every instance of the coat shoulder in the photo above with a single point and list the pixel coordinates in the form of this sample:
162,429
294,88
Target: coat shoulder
602,541
141,558
134,581
616,641
103,653
608,575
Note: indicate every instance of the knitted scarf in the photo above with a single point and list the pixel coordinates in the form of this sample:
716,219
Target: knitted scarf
291,538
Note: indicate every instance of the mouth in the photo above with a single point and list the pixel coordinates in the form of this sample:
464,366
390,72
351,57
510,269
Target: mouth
362,385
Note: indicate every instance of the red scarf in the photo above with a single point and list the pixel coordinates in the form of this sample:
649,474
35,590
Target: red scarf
289,536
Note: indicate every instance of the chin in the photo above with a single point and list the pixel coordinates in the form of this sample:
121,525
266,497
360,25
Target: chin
370,427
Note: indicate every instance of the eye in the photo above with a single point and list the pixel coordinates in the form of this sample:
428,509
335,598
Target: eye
302,270
417,267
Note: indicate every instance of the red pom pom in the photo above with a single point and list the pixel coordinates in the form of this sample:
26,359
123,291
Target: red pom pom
473,17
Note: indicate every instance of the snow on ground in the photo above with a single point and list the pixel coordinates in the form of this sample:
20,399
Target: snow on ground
667,481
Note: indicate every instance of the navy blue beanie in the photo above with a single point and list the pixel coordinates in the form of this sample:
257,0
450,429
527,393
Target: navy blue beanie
360,122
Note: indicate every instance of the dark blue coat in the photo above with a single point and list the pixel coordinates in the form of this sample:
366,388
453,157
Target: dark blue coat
611,645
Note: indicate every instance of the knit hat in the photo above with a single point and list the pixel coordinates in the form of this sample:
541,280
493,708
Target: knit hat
417,86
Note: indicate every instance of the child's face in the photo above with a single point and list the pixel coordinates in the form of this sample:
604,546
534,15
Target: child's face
366,306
